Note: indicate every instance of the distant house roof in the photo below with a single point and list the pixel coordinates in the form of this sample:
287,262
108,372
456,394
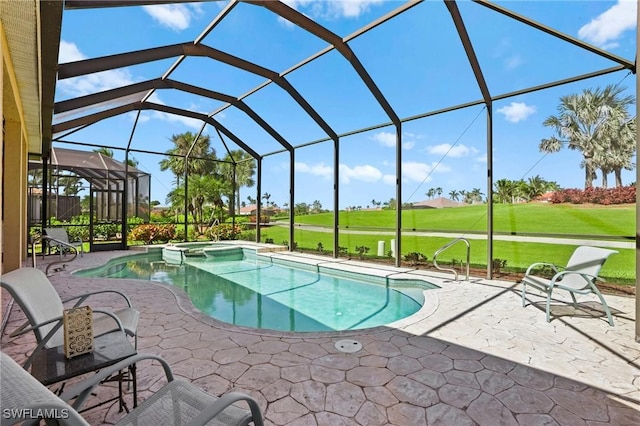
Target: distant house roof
546,197
437,203
248,210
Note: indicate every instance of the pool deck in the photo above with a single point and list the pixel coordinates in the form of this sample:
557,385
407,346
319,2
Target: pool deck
472,355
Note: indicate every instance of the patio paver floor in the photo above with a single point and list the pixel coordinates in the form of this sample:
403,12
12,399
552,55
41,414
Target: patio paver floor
473,356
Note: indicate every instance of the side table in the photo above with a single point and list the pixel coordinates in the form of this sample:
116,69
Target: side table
52,366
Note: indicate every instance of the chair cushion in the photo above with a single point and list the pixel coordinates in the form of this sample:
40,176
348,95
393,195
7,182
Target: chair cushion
129,317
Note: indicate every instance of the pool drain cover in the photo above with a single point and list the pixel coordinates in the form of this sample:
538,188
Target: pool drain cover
348,346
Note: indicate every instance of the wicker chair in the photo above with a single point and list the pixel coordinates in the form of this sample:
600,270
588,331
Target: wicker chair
177,403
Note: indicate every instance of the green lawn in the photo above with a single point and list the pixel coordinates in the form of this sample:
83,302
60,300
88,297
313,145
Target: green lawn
520,218
613,221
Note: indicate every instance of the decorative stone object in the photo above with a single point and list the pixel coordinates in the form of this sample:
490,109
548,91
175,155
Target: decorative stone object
78,331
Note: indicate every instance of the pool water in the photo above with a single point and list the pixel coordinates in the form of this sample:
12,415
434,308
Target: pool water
255,292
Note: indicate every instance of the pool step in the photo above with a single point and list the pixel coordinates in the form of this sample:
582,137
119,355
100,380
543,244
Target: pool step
194,254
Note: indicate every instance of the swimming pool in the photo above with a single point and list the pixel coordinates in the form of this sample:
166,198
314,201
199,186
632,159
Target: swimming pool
238,286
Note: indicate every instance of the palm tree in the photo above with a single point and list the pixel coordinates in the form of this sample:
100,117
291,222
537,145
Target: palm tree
453,194
175,199
504,191
535,187
620,152
201,160
590,122
132,162
71,184
245,166
107,152
266,197
34,177
476,195
206,188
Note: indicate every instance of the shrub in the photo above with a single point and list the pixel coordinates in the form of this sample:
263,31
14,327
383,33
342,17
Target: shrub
620,195
179,235
107,230
247,235
150,234
498,264
132,222
263,219
239,219
414,257
286,243
362,250
224,231
77,233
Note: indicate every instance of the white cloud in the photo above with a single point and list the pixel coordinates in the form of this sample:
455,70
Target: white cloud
350,8
416,172
174,16
609,25
385,139
481,159
142,118
90,83
513,62
408,145
388,139
447,149
389,179
172,118
69,52
365,173
319,169
517,111
332,9
421,172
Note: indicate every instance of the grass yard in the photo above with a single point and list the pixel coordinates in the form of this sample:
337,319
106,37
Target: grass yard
604,221
617,220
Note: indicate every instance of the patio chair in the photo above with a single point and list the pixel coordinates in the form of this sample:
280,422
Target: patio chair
43,307
579,276
59,239
178,402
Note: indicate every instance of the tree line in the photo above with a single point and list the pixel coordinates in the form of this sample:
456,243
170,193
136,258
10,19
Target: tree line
597,123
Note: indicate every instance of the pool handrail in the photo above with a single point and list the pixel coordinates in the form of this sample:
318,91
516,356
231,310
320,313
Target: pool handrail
446,246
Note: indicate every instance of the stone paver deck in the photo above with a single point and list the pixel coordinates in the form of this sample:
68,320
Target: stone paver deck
472,355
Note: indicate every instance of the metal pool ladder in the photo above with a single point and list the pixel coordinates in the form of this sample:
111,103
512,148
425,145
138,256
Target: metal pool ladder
446,246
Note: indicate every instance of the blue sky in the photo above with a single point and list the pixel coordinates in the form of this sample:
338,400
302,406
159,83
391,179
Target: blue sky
416,60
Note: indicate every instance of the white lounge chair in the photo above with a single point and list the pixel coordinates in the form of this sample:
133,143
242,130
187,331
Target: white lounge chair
59,239
176,403
41,304
579,276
